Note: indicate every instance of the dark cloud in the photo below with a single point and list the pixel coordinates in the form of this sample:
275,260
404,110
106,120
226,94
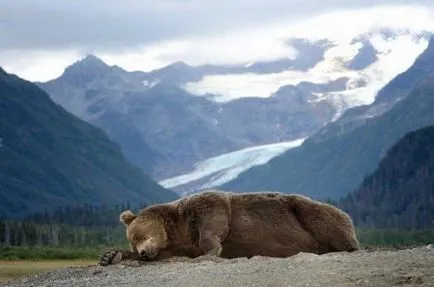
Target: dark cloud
119,25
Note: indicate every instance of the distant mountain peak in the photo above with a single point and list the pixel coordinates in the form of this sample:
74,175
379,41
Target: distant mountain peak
179,65
90,61
86,69
90,58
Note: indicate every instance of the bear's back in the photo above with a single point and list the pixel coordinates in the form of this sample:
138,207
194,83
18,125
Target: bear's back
264,224
268,207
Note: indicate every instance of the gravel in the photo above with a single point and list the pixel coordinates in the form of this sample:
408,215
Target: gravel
407,267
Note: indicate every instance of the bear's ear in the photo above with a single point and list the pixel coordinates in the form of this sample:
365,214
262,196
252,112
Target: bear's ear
127,217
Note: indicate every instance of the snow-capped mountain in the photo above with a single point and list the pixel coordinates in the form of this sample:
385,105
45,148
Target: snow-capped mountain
183,115
367,62
218,170
344,152
79,88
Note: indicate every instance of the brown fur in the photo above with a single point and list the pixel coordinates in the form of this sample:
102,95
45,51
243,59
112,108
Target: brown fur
233,225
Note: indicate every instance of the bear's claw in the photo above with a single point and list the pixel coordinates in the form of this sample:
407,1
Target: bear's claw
110,257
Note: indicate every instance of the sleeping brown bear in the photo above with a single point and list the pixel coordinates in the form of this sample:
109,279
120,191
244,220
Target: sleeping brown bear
230,225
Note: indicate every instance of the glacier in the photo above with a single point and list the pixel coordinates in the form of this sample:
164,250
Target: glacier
220,169
393,55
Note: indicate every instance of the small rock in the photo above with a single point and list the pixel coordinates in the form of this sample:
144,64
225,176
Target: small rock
364,282
96,272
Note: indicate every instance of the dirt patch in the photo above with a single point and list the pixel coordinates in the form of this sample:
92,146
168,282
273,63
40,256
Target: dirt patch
372,267
10,269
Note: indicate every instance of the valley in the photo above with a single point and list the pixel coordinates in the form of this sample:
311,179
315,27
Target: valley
169,120
116,108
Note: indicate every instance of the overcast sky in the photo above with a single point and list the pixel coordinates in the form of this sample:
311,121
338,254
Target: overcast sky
38,38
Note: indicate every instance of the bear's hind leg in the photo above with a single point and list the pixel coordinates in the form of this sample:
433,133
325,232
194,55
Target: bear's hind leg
332,228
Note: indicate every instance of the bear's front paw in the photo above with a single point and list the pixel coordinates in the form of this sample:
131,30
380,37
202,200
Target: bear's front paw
110,257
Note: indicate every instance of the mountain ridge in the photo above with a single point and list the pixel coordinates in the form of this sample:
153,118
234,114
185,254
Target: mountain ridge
389,95
180,120
178,128
50,157
339,163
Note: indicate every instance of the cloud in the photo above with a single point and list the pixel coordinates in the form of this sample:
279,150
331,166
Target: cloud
37,65
240,47
143,35
395,56
108,25
270,41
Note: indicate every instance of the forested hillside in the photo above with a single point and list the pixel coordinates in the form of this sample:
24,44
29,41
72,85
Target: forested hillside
78,225
50,158
400,193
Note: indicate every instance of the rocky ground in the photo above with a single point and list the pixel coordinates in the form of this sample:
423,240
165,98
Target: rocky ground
406,267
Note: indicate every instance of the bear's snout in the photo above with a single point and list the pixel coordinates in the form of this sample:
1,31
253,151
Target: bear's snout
144,255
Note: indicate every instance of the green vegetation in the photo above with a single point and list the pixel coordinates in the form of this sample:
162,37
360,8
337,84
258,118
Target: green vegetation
67,228
367,238
399,194
394,237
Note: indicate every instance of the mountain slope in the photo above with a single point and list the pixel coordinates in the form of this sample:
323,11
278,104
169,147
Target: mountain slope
182,115
122,131
49,157
165,130
400,193
336,164
92,91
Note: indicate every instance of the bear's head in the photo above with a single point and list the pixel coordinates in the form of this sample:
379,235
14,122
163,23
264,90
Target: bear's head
146,233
